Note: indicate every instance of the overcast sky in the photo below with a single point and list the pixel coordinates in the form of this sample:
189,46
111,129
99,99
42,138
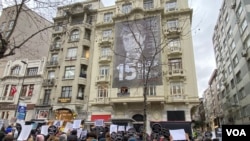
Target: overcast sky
205,14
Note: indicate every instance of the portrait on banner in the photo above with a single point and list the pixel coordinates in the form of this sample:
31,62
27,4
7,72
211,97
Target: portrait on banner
136,46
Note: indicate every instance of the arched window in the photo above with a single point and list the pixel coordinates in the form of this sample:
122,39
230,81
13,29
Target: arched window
74,36
15,70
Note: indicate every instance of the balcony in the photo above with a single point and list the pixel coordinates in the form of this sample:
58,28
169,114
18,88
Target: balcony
25,98
55,47
105,22
7,99
100,101
177,98
174,50
124,94
176,73
70,58
58,29
103,79
53,63
173,31
82,80
44,102
105,58
84,61
106,41
48,82
68,77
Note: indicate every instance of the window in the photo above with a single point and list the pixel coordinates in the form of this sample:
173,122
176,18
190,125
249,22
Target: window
54,57
173,24
75,35
107,17
66,91
106,34
46,97
31,89
69,72
105,52
243,26
151,90
83,71
171,6
241,94
229,68
102,91
51,74
238,77
57,43
104,70
85,52
71,54
239,10
226,18
232,83
87,34
229,32
59,26
233,45
148,4
235,61
176,88
124,90
15,70
6,90
175,65
11,25
32,71
174,42
80,94
13,90
126,8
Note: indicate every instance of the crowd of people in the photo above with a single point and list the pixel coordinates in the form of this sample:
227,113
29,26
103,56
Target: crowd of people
11,134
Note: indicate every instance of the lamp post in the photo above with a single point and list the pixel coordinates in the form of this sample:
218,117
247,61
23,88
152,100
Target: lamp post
19,95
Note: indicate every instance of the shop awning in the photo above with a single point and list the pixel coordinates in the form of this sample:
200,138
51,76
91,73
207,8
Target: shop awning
104,117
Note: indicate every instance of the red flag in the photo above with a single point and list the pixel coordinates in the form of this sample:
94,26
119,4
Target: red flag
30,92
13,90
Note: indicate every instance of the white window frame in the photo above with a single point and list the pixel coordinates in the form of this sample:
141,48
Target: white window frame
75,35
69,72
66,91
126,8
173,24
72,53
104,70
171,6
148,4
105,52
151,90
106,34
51,74
102,91
107,17
176,88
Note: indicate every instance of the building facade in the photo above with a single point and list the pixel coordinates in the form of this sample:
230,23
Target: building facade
119,75
96,75
21,84
28,23
231,46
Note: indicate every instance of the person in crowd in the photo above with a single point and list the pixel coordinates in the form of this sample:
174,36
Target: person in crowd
91,136
72,136
39,136
8,129
8,137
216,139
63,136
2,133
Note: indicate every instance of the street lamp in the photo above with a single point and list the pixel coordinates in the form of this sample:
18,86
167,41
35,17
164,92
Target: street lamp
18,100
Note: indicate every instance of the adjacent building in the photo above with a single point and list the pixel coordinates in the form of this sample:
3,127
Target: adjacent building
231,41
21,74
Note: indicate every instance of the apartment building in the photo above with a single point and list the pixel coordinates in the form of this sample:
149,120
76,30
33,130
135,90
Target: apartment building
68,70
86,75
22,72
119,75
231,41
21,84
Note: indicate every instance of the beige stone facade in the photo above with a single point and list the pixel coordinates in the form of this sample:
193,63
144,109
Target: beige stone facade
82,63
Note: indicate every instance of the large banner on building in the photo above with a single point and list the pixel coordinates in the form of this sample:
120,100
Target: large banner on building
137,53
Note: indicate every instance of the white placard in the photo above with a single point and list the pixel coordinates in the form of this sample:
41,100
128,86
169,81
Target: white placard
99,122
113,128
121,128
58,123
77,124
178,134
25,132
44,130
68,127
128,127
79,131
83,133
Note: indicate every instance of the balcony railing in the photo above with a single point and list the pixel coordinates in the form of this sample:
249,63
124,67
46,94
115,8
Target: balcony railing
175,72
52,63
103,78
124,94
44,102
177,98
174,50
48,82
7,99
104,58
55,47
